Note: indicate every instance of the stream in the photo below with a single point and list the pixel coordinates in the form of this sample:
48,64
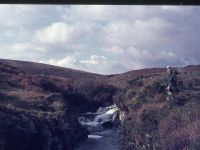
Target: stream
103,129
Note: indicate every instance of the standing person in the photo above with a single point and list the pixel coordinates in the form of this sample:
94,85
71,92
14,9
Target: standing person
171,82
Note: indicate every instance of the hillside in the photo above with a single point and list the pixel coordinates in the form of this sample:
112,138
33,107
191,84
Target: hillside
40,103
151,121
39,68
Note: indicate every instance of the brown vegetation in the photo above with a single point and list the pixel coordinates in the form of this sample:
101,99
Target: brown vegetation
41,102
155,123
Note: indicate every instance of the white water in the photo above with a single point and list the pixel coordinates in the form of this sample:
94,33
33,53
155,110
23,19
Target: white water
100,138
107,114
103,114
95,136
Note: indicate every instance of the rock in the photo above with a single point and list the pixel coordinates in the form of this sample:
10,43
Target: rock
107,124
122,116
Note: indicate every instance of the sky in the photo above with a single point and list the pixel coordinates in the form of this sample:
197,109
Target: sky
101,39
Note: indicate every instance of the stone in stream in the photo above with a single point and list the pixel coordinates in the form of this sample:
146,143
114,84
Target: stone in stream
107,124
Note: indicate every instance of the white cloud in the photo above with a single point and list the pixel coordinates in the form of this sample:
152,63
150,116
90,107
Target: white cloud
113,50
81,12
99,38
58,32
64,62
139,33
177,9
27,16
23,51
174,8
94,60
148,58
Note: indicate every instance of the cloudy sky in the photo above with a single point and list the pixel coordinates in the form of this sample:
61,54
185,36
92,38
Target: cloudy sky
101,39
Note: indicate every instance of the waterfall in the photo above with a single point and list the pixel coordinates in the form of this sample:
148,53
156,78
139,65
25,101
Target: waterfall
107,114
99,119
102,126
